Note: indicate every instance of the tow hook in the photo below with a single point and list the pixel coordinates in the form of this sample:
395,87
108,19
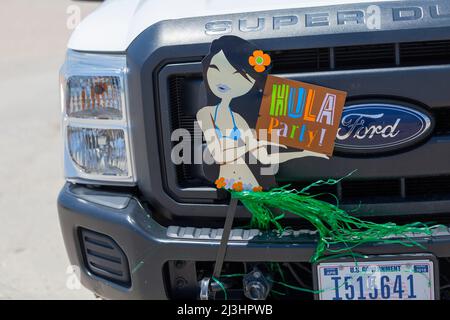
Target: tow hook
257,284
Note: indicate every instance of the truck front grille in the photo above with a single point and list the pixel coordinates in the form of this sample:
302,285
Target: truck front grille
424,53
373,56
375,190
392,56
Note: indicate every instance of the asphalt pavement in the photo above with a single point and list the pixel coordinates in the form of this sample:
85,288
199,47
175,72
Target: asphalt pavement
33,38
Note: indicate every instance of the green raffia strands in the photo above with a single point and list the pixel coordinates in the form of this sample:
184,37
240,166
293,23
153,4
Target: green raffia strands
339,232
225,295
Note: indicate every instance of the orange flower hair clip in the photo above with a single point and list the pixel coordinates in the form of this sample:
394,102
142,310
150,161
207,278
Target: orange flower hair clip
259,60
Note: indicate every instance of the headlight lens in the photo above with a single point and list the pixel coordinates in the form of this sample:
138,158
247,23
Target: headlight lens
98,151
95,119
94,97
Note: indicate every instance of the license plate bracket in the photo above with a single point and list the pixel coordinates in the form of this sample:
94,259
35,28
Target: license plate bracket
381,277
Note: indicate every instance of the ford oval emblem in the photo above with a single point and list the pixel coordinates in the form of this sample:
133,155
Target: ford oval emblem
380,127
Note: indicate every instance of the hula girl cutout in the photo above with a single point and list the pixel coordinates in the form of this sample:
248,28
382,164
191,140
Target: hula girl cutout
235,72
303,116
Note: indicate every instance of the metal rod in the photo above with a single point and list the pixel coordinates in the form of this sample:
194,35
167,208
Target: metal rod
332,59
225,237
397,54
403,187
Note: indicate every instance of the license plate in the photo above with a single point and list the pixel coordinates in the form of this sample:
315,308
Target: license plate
376,280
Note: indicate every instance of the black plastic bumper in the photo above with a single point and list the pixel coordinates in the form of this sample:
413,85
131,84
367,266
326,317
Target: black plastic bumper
148,245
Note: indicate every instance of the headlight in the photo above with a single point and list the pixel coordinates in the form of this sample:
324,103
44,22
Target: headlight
94,97
97,147
98,151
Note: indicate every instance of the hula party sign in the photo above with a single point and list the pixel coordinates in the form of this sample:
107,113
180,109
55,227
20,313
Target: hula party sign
304,116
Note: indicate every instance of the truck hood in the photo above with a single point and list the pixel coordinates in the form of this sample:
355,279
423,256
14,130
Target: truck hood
116,23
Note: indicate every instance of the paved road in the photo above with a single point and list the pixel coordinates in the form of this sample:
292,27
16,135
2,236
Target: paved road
33,36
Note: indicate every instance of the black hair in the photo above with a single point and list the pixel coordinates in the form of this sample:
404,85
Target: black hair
237,51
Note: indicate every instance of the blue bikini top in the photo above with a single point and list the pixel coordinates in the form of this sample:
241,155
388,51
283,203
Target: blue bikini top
235,133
